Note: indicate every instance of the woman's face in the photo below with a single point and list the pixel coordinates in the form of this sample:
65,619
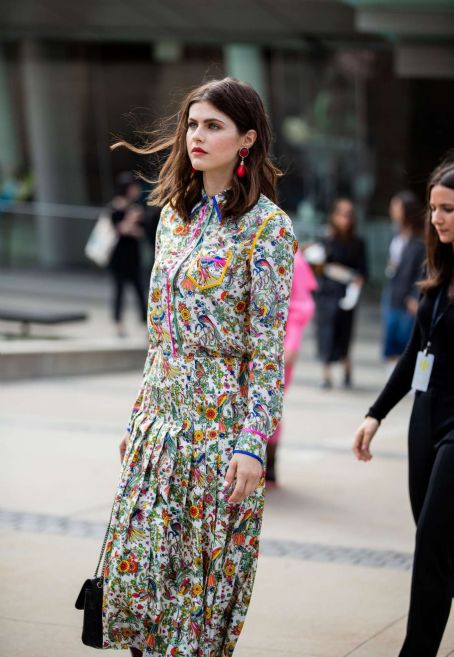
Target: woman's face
442,213
213,140
133,192
343,216
396,211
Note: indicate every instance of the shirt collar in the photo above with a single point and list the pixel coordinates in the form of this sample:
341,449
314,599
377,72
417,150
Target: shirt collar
219,198
215,201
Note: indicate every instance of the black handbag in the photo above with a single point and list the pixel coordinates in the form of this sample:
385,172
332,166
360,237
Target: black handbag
90,601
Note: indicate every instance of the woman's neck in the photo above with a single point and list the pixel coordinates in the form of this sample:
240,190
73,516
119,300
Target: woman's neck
215,182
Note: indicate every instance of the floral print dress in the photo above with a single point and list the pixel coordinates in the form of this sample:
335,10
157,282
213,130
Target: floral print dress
180,559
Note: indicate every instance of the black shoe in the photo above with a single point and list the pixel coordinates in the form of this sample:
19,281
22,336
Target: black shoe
326,384
347,380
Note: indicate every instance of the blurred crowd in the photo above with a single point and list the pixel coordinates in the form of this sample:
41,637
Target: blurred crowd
334,281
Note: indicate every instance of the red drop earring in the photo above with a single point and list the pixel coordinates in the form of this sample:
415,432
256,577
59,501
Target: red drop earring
241,170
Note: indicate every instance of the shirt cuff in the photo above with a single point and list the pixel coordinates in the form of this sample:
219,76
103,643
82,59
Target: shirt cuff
242,451
253,443
373,413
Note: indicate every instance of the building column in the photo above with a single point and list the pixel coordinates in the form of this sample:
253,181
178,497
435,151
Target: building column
10,155
246,63
54,95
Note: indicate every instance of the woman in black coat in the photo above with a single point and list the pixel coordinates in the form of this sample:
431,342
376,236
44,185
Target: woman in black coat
127,215
334,324
427,366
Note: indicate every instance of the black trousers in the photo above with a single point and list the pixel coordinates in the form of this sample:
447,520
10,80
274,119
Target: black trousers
431,480
134,277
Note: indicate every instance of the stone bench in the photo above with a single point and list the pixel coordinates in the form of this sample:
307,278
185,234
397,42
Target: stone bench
28,317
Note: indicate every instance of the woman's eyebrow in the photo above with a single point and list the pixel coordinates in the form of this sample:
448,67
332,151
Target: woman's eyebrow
191,118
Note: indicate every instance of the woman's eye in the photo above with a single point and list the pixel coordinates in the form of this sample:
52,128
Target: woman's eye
192,125
213,126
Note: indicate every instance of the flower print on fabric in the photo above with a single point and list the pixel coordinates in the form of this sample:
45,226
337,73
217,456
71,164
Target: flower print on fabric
181,559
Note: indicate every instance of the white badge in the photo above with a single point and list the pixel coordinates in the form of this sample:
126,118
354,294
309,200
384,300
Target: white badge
423,370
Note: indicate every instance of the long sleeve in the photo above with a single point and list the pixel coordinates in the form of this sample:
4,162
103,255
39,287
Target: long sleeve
399,383
271,266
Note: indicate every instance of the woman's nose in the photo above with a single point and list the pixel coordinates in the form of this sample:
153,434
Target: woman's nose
197,134
436,217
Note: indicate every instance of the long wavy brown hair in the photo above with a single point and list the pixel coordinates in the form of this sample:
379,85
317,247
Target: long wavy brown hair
440,257
179,185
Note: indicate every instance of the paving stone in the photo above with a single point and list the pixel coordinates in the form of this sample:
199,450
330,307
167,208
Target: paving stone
49,524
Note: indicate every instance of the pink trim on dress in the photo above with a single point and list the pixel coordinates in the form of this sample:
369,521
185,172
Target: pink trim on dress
169,320
169,272
258,433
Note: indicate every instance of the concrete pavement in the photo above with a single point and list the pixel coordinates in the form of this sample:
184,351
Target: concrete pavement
333,579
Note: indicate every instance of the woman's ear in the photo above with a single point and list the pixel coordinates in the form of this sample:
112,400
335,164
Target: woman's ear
249,138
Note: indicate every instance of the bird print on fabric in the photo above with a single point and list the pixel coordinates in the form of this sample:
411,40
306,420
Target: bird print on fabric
209,270
265,274
262,419
206,330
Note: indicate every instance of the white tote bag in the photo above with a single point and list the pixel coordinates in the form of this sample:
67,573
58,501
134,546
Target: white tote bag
102,241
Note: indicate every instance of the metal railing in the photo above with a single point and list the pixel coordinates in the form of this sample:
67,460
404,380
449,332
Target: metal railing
19,228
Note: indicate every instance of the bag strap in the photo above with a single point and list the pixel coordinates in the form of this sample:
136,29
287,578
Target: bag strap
104,543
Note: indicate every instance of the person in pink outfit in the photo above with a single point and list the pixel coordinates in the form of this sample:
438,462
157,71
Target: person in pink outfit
300,313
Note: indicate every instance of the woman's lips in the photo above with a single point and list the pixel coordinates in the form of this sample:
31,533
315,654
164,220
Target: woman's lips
199,151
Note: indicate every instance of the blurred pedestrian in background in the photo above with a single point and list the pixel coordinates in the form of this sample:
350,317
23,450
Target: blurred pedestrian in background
344,268
300,312
404,270
427,366
183,542
127,215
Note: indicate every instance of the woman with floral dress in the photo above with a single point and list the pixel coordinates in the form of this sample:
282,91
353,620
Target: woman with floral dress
183,543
